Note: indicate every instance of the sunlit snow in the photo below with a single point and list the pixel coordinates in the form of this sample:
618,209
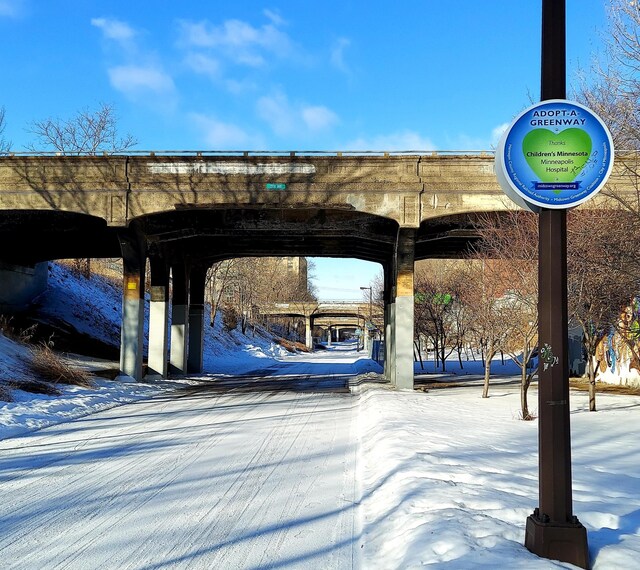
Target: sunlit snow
440,478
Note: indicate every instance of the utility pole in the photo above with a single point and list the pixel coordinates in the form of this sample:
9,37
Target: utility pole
552,531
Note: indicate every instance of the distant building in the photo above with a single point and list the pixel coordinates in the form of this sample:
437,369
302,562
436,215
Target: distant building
295,268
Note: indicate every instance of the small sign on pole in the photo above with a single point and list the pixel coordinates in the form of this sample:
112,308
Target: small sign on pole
556,154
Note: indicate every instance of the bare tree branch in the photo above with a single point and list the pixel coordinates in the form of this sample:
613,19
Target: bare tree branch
5,145
88,132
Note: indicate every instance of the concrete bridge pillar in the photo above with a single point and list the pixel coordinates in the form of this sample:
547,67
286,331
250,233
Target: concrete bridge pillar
329,336
390,346
158,318
133,251
179,319
308,324
403,309
389,353
197,281
366,345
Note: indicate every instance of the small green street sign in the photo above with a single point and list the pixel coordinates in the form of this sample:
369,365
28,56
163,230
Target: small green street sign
273,186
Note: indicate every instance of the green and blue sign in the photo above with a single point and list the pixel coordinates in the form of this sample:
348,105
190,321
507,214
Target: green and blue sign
555,154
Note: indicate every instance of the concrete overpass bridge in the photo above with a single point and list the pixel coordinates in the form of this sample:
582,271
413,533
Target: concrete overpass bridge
327,314
185,211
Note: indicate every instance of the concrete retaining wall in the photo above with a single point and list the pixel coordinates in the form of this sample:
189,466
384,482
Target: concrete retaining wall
19,285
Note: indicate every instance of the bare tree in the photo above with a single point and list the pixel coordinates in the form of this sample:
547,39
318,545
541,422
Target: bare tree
5,145
607,271
598,286
512,237
612,88
217,282
439,309
490,320
88,132
249,283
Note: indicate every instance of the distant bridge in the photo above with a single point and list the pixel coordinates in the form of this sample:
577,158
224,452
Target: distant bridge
325,313
358,309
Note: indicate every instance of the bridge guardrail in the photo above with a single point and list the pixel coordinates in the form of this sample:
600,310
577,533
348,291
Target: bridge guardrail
257,153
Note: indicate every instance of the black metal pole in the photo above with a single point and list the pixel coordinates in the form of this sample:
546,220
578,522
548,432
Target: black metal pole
552,530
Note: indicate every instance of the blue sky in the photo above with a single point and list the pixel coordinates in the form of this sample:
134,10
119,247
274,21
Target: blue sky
284,75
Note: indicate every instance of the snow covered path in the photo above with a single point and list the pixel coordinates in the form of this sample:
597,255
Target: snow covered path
210,478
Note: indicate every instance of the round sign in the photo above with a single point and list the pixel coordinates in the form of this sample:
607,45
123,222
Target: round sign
555,154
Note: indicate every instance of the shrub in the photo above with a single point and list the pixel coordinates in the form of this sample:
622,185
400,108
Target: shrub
5,393
229,318
48,365
36,387
291,345
9,330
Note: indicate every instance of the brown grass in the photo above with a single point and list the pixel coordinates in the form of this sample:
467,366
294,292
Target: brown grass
291,345
5,393
48,365
10,330
582,384
35,387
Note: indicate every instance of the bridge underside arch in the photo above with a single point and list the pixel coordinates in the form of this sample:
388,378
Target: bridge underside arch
353,316
449,237
31,236
208,235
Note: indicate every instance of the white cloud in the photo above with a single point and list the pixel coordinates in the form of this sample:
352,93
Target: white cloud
239,86
203,64
277,113
140,76
400,141
11,8
136,80
219,135
318,117
497,133
465,142
286,118
275,18
337,54
239,41
116,30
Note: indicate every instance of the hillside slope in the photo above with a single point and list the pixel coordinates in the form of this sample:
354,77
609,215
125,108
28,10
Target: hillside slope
81,317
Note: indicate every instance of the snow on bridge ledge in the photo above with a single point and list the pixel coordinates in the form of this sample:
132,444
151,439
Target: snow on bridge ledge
229,168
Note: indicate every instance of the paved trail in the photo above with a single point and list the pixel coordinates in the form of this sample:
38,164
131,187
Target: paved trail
238,474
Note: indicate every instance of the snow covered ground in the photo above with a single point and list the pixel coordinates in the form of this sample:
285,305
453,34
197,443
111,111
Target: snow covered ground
207,478
442,478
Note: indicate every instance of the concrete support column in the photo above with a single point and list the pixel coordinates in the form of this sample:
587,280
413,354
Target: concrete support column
158,319
392,345
404,309
308,338
179,319
389,352
132,329
365,338
197,281
329,334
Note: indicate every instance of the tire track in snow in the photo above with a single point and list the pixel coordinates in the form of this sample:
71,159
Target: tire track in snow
79,489
216,479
